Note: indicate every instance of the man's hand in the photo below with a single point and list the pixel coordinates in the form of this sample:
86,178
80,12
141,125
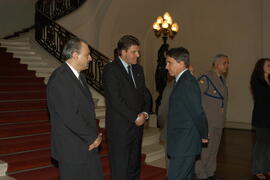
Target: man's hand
96,143
141,119
205,141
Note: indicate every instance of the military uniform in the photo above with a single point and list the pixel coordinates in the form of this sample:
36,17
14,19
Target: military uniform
214,100
163,116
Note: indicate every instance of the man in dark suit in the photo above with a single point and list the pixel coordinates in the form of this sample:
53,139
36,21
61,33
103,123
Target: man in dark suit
127,108
74,132
187,125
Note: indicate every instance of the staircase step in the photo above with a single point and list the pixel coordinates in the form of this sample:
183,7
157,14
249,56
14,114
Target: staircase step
6,178
28,58
149,173
10,43
23,53
106,164
21,144
3,49
22,48
13,65
8,61
22,87
152,173
40,158
11,72
23,105
43,74
43,69
11,130
28,160
153,152
20,79
50,173
150,136
5,56
33,62
13,117
159,163
30,95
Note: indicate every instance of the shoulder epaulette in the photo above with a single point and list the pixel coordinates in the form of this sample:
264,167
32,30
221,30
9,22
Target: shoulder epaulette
210,83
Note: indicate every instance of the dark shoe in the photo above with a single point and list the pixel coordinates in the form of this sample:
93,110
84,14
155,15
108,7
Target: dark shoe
214,178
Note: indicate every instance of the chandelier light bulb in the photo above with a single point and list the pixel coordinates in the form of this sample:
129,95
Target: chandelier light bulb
169,20
156,26
159,20
175,27
165,25
166,16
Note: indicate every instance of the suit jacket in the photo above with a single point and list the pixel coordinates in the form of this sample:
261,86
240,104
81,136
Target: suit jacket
187,124
214,98
261,109
72,115
123,101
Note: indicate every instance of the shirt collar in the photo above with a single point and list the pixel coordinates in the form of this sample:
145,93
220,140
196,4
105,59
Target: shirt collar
76,73
180,74
125,64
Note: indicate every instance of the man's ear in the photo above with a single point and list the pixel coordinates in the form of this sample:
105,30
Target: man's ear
123,52
182,64
75,55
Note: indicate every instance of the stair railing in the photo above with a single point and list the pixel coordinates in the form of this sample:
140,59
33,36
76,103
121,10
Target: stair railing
52,37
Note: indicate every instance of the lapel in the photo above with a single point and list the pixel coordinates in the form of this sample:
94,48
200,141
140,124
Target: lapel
136,75
76,81
179,82
124,71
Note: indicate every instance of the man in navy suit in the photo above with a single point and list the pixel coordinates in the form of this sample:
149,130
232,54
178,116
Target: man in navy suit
74,132
127,108
187,124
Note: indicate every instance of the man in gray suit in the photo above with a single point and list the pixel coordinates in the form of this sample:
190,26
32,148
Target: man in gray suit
214,100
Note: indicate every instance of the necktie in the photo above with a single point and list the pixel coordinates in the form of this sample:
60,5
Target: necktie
131,74
221,78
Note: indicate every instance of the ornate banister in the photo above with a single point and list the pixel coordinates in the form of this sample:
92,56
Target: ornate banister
52,36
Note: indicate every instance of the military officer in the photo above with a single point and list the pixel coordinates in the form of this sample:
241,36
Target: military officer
214,100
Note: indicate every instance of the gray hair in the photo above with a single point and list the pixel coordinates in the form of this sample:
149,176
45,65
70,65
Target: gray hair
217,57
71,46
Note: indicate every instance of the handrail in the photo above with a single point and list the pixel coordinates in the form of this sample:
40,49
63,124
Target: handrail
17,33
52,37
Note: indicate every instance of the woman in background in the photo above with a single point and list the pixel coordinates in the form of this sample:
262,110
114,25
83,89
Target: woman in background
260,87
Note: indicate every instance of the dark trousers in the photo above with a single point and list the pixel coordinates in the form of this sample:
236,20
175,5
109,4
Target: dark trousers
181,168
261,151
125,158
91,170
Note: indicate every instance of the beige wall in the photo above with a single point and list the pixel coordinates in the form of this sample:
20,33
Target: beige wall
265,28
15,15
237,28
